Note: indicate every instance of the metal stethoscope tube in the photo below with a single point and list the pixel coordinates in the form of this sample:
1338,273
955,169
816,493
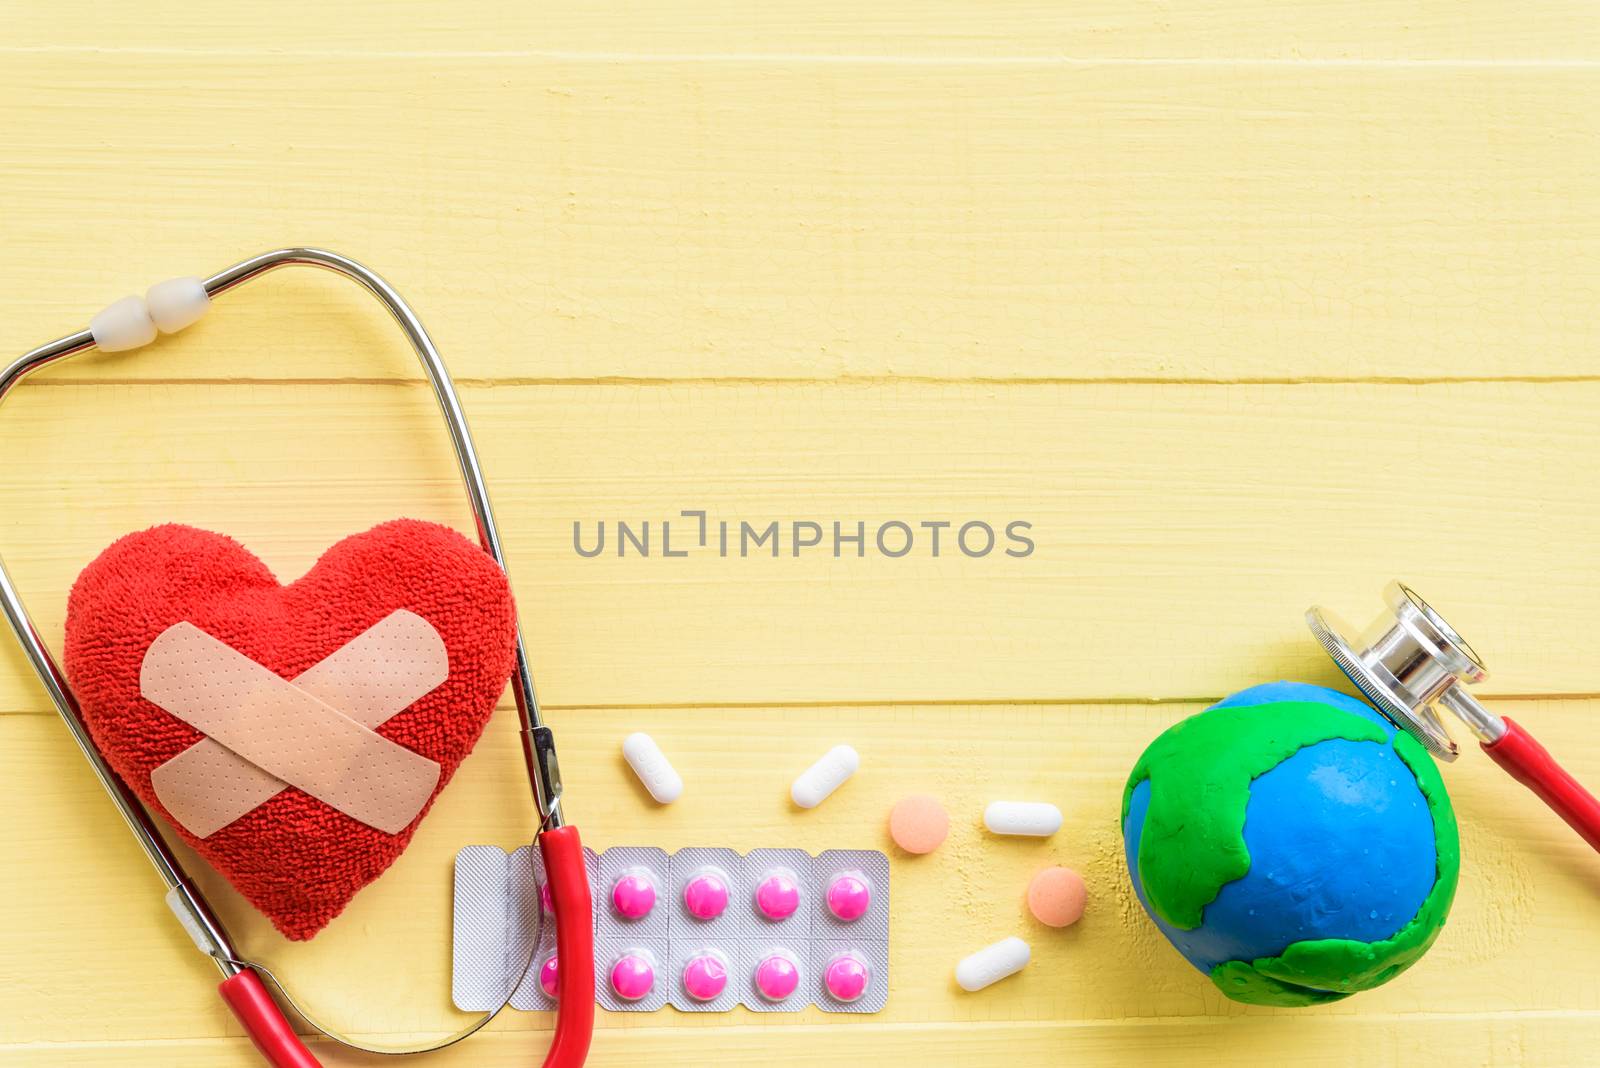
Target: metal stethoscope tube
242,987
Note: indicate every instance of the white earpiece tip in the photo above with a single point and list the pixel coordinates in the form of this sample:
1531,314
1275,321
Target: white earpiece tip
177,303
123,325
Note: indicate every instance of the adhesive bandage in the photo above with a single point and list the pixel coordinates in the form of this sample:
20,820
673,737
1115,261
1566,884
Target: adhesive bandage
265,732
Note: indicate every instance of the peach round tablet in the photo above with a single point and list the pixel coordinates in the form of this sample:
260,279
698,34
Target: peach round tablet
918,824
1056,897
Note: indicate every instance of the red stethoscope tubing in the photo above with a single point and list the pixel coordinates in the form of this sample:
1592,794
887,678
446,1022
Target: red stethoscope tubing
1525,760
569,894
264,1022
267,1027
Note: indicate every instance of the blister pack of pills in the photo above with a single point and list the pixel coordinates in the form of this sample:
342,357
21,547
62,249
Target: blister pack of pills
702,929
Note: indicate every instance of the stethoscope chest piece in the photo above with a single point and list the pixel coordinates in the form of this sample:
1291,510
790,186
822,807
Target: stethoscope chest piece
1409,662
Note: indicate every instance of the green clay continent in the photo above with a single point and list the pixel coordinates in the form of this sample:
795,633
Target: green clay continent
1242,982
1200,773
1308,973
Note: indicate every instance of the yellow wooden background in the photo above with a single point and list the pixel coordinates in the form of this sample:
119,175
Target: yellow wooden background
1243,305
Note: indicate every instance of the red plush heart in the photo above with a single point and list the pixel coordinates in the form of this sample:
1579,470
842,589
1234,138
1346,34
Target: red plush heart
295,858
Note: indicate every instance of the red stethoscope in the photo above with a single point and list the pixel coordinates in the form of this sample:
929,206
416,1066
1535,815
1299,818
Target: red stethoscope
170,306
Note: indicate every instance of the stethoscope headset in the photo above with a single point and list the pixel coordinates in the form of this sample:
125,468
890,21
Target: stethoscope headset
1409,663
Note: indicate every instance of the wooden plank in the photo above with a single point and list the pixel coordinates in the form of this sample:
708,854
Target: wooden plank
1520,930
1504,1040
574,219
1179,533
833,30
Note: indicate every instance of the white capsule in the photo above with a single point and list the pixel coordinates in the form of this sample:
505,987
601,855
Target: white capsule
992,964
825,776
1038,819
648,762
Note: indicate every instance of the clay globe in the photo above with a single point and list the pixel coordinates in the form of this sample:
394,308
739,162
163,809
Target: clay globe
1292,844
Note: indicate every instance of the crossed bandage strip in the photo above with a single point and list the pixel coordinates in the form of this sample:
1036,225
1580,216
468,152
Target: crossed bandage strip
265,733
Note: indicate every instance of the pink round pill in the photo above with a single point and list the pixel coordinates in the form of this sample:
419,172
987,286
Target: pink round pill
705,896
846,977
634,895
632,976
547,900
705,976
777,976
548,976
778,896
849,896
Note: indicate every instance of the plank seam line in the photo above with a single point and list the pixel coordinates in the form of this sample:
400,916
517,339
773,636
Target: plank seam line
987,702
518,381
833,1030
829,59
844,705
